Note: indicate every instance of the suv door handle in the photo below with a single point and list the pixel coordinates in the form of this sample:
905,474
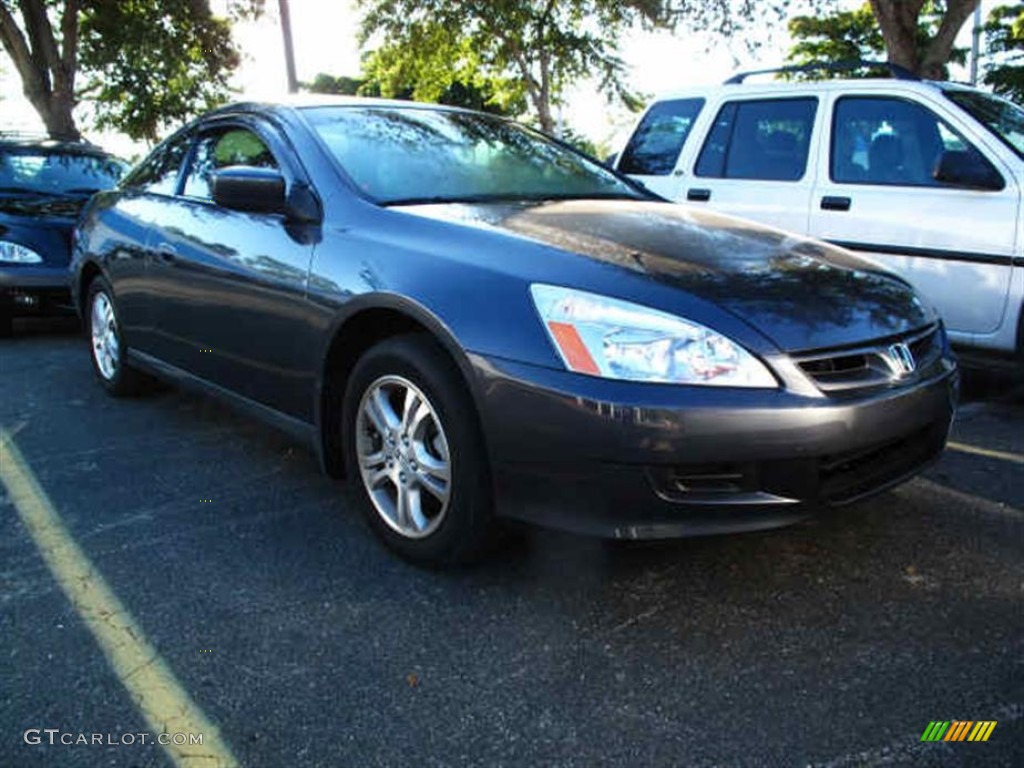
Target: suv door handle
835,203
698,195
166,252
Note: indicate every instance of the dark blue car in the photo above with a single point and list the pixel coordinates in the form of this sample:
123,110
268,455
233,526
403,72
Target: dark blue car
43,186
472,321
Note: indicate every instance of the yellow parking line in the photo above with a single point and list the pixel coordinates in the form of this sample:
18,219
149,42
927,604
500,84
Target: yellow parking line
1015,458
163,702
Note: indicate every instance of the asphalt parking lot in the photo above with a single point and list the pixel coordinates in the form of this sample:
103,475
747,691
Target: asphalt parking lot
833,643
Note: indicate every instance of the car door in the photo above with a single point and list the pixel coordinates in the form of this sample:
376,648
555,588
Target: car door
233,308
128,229
880,197
653,151
757,161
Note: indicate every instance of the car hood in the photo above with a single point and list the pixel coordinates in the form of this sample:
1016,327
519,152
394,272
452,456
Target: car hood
60,207
800,293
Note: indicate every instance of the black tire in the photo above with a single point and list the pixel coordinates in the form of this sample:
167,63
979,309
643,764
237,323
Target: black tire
122,380
463,528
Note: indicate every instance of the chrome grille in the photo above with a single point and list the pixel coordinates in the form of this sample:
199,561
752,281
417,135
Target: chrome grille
873,365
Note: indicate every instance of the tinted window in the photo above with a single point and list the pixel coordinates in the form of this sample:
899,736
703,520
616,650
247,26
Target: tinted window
766,140
219,149
56,173
892,141
1001,117
412,154
655,145
158,173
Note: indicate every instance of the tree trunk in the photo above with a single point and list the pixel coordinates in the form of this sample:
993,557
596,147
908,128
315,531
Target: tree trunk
56,111
47,77
898,20
934,61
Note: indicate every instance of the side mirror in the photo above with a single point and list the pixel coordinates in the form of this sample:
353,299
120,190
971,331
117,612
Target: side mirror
611,160
249,189
967,169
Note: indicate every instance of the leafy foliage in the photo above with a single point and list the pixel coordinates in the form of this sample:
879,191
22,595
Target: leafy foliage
145,63
525,49
854,35
455,94
1004,35
152,62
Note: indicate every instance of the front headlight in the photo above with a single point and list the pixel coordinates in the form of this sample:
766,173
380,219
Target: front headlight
615,339
16,253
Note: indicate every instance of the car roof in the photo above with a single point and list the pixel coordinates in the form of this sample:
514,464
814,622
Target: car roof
313,100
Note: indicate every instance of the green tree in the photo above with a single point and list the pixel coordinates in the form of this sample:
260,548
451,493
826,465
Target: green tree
526,49
1004,36
854,35
456,93
837,37
143,62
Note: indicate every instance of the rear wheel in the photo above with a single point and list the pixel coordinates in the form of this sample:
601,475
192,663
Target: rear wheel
413,445
109,354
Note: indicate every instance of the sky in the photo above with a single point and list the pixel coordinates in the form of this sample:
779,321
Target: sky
325,41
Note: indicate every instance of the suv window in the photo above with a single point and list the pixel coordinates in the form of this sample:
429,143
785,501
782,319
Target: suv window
766,140
158,173
655,145
884,140
219,149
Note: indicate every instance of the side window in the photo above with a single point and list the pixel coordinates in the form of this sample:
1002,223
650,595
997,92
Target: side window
767,140
892,141
219,149
657,141
158,173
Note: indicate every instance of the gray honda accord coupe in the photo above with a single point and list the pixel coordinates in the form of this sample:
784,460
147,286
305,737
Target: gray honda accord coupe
472,321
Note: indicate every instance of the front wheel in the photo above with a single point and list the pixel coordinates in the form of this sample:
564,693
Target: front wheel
109,354
413,444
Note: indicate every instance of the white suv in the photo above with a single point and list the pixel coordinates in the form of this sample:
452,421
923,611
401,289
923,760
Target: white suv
923,178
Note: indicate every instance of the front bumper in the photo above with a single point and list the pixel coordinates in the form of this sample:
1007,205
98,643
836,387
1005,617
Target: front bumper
624,460
34,290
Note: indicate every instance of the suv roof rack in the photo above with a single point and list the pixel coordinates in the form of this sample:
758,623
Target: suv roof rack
898,72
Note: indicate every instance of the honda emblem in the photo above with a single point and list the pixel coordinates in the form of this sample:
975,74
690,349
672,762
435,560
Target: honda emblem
901,360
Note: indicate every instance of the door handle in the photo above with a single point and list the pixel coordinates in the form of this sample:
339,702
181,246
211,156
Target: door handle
166,252
829,203
698,195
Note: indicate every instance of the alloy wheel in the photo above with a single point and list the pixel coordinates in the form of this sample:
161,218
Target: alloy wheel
403,456
105,345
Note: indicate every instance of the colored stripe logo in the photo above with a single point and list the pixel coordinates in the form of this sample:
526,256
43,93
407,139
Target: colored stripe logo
958,730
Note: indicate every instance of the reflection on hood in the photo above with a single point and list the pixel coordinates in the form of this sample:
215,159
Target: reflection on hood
802,293
43,205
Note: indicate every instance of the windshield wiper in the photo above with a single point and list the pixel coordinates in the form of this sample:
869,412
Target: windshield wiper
81,191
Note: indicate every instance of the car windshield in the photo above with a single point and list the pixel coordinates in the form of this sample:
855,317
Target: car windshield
56,173
1003,118
412,155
